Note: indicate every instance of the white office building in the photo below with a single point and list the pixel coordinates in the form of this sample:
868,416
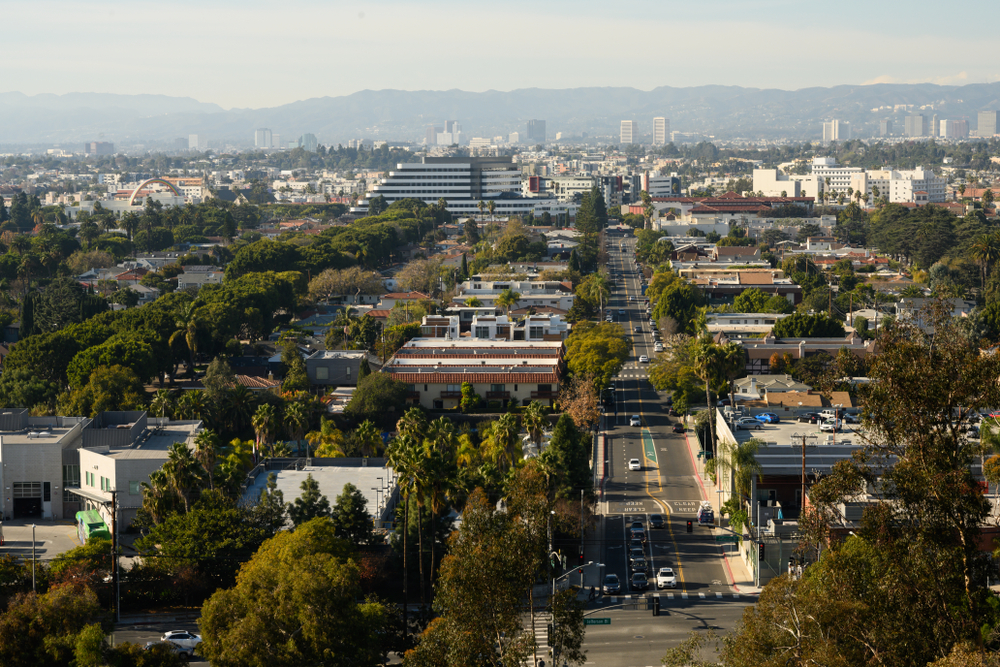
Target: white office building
836,130
463,182
262,138
831,178
919,186
627,131
661,130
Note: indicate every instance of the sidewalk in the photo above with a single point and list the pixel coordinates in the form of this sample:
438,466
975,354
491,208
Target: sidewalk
739,575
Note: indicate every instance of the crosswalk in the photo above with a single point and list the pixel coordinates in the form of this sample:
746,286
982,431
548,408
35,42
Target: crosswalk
626,599
541,632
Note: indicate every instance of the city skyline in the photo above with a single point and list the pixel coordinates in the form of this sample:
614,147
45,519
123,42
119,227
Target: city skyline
193,43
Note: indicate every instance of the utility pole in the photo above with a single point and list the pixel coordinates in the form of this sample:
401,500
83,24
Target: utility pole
114,554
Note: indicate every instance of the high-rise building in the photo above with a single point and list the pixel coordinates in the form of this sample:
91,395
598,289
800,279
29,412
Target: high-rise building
536,132
262,138
275,140
627,131
915,126
452,134
661,130
431,136
99,148
987,123
884,128
514,138
836,130
954,129
309,142
194,142
935,128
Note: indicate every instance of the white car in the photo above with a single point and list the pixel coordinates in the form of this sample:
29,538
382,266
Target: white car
831,425
665,578
182,638
644,359
634,464
658,347
635,421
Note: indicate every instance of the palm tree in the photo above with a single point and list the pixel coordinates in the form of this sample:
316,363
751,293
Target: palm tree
507,299
492,206
705,362
297,420
162,404
413,423
440,448
985,251
403,457
206,451
193,405
328,441
482,207
156,495
263,422
368,438
740,459
188,325
535,421
238,406
504,447
181,470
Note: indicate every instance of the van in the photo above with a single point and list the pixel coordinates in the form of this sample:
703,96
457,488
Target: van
828,414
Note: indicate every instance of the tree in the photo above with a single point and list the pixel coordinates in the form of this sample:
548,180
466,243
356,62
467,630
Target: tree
264,423
328,441
378,398
310,503
420,275
579,399
568,456
351,519
804,325
219,377
535,421
108,389
296,378
367,438
271,512
597,349
41,630
507,299
296,602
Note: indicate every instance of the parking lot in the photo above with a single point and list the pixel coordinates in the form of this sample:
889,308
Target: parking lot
51,538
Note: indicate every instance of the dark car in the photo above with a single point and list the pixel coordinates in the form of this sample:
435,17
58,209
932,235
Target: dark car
635,554
611,584
679,428
656,521
639,581
810,418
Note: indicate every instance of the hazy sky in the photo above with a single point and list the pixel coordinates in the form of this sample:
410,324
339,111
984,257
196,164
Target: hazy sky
252,53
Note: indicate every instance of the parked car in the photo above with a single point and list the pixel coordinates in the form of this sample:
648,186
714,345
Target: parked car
809,418
679,428
850,418
185,654
831,425
611,584
748,424
665,578
656,521
634,464
635,421
639,581
768,418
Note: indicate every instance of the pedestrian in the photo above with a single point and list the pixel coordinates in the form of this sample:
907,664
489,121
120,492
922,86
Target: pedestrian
593,595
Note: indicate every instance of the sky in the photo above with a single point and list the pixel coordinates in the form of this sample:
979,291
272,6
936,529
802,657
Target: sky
252,53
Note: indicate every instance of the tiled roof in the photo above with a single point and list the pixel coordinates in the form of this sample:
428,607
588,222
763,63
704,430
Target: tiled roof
378,314
256,382
473,378
405,295
754,278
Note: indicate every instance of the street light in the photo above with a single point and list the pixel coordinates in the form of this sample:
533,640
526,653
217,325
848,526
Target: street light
32,558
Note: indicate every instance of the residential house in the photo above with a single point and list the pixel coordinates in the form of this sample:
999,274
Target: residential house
334,368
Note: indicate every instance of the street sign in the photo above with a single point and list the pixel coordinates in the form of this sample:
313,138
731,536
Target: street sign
727,538
597,621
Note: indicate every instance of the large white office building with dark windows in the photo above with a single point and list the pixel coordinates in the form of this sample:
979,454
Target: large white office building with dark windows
463,182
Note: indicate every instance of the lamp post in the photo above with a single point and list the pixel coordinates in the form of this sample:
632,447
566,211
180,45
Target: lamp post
32,558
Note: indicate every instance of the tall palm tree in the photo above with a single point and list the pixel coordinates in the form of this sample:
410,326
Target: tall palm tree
238,405
162,404
296,419
985,251
403,457
740,459
263,422
440,449
156,496
482,208
206,451
187,327
535,421
504,446
193,404
705,358
413,423
181,469
492,206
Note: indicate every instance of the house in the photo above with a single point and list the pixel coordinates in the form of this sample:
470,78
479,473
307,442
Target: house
194,276
755,387
388,301
920,311
334,368
434,370
259,385
760,350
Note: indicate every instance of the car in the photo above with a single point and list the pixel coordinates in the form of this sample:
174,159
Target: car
638,534
637,329
831,425
636,553
672,412
665,578
631,298
635,421
182,638
679,428
656,521
621,311
643,359
768,418
635,544
185,654
809,418
636,524
748,423
658,347
639,581
609,319
634,464
611,584
851,419
639,565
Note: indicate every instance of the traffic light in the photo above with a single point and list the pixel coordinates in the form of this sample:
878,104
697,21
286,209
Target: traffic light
760,551
656,606
690,526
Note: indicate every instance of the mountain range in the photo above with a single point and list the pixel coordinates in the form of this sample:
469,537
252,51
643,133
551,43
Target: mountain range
722,112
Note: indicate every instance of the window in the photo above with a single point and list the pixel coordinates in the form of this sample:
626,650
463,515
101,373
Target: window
133,489
498,387
536,332
482,332
27,489
348,372
71,475
322,373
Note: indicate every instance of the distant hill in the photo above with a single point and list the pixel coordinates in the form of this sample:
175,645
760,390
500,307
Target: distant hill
725,112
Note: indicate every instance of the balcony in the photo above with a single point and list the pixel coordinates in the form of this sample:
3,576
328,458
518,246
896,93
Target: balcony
498,396
545,394
414,395
451,394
